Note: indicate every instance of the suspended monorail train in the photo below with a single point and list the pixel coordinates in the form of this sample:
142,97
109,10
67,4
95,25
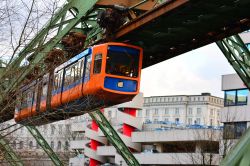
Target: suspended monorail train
100,76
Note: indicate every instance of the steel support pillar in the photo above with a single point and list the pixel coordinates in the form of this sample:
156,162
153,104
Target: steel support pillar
238,56
114,138
10,156
45,146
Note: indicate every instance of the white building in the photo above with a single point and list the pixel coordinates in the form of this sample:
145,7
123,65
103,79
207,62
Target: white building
235,115
58,135
159,142
201,109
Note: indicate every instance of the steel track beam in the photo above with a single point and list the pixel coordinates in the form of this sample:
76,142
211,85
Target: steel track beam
238,56
114,138
10,156
45,146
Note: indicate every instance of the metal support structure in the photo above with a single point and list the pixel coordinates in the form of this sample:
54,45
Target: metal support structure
114,138
10,156
45,146
40,47
238,56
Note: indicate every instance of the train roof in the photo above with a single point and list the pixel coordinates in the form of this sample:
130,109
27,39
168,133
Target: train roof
74,59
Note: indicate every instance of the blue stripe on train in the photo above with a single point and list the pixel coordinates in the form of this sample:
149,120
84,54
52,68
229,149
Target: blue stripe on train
120,84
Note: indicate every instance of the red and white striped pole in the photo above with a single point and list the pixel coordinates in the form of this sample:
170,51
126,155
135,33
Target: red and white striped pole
127,129
94,144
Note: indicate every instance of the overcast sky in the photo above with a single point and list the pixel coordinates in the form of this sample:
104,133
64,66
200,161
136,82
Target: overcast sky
191,73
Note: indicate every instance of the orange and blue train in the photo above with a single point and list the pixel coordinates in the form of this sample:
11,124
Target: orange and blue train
100,76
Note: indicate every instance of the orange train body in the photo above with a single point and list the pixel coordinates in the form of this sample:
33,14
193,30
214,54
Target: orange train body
102,75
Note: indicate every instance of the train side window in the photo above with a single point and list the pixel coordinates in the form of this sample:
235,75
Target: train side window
78,70
73,74
82,67
30,97
87,69
97,63
24,100
57,80
35,93
67,76
45,90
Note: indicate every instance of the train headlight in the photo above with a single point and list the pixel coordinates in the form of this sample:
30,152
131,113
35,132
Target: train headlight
120,84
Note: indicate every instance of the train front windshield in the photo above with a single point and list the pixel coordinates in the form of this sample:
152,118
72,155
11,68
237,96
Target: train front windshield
122,61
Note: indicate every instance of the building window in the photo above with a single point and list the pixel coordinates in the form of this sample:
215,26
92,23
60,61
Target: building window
147,112
177,120
52,129
190,111
139,113
21,145
166,119
68,128
198,111
166,111
198,120
52,144
59,145
211,122
66,145
234,130
190,121
109,114
236,97
211,112
156,111
248,46
60,129
45,128
177,111
31,145
155,120
242,97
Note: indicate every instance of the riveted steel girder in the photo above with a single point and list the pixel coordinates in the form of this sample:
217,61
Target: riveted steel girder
114,138
238,56
45,146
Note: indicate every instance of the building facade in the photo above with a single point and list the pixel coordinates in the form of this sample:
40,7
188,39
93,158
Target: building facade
58,136
201,109
156,142
235,115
